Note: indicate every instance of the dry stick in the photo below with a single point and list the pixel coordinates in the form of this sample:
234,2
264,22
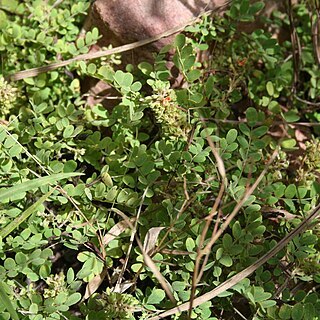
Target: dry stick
88,56
215,235
315,27
259,123
246,272
196,275
296,48
134,231
206,258
239,205
222,172
147,259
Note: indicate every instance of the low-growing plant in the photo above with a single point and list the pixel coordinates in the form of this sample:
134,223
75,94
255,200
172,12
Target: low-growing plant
143,177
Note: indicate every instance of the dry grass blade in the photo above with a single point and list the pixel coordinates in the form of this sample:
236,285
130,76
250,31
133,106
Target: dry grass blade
94,55
246,272
222,171
296,48
103,53
216,154
133,234
123,286
239,205
315,27
149,262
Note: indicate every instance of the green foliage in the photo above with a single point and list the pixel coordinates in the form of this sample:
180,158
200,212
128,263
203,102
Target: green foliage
110,305
150,156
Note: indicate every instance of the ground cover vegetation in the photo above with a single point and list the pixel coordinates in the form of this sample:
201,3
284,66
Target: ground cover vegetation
113,213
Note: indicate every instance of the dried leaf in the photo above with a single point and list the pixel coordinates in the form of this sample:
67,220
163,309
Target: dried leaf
95,283
123,286
116,230
151,239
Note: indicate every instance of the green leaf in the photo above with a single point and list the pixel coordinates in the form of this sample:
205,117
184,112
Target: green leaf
33,308
244,6
107,180
129,181
178,286
226,261
255,7
106,73
124,79
231,136
6,193
3,19
268,303
291,191
285,312
136,86
68,131
70,275
270,88
274,107
219,253
17,221
309,311
145,67
193,75
10,5
297,312
190,244
9,264
260,294
92,68
259,132
196,97
252,116
180,41
73,299
288,143
236,230
156,296
291,116
4,288
227,241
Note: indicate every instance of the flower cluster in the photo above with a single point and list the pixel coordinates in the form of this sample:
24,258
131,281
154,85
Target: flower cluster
8,96
171,117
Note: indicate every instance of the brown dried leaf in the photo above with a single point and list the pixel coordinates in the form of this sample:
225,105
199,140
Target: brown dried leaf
94,284
123,286
151,238
116,230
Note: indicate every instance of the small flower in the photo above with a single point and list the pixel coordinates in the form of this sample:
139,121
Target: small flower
8,96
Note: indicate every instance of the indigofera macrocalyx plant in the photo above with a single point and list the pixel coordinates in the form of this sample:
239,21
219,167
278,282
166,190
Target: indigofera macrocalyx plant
184,173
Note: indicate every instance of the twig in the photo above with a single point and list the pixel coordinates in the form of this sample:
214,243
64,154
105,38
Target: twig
134,231
147,259
224,182
296,48
94,55
246,272
315,29
310,103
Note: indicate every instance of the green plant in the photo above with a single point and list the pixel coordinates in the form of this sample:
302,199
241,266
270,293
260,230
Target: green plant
151,178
